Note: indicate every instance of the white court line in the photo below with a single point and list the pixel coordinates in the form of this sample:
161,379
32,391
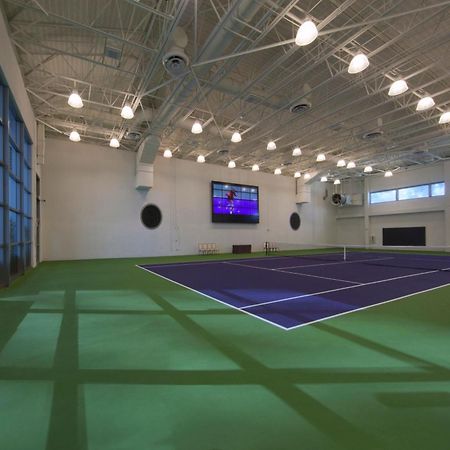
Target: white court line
291,273
366,307
335,263
213,261
339,289
212,298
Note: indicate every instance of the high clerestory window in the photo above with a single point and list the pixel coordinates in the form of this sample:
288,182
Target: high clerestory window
408,193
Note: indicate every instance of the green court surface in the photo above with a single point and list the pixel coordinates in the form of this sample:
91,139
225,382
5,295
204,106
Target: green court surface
99,355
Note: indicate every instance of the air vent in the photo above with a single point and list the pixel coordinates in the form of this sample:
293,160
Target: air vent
133,135
175,62
300,107
371,135
223,151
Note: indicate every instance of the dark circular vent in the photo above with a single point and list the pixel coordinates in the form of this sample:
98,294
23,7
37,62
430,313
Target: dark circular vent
372,135
151,216
300,107
295,221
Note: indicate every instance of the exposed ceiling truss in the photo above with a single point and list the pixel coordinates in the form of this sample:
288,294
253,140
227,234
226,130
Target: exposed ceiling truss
112,52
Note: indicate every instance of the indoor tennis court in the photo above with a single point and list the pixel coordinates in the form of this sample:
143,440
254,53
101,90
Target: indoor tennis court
224,225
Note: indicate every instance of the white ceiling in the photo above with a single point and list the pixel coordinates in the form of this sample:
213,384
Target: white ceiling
242,75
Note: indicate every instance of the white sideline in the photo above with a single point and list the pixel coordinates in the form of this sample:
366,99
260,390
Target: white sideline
340,289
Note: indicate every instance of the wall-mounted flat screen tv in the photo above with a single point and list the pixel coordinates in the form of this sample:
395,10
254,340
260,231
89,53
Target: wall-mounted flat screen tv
234,203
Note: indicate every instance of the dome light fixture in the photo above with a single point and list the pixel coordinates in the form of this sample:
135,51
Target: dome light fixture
201,159
337,181
341,163
321,157
231,165
297,175
445,118
397,88
127,112
75,100
388,173
114,143
368,169
167,153
197,127
236,137
351,165
277,171
358,63
307,176
271,145
74,136
425,103
297,151
307,33
255,168
323,179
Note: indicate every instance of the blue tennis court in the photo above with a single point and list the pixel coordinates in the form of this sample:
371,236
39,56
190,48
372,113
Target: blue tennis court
293,291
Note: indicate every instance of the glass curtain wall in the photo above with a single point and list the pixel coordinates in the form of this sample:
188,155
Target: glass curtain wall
15,191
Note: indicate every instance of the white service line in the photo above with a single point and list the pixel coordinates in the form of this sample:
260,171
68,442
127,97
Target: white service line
211,298
291,273
335,263
338,289
367,307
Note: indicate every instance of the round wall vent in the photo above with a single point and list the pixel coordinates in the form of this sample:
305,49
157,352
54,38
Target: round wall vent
151,216
300,107
295,221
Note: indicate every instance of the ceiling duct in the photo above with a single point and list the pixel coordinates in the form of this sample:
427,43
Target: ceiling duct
175,61
218,41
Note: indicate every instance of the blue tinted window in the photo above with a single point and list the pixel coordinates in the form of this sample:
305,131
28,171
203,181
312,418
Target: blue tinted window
437,189
383,196
414,192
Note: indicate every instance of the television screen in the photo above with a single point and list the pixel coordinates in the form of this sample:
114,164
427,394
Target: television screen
234,203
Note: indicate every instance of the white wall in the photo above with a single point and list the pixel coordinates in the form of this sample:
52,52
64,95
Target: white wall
92,209
361,225
11,71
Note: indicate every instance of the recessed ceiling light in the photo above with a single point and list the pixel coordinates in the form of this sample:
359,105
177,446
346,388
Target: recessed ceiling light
236,137
114,143
271,145
351,165
255,168
358,63
323,179
398,87
297,151
196,127
277,171
388,174
201,159
368,169
75,100
127,112
167,153
307,33
297,175
321,157
341,163
74,136
425,103
231,165
445,118
337,181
